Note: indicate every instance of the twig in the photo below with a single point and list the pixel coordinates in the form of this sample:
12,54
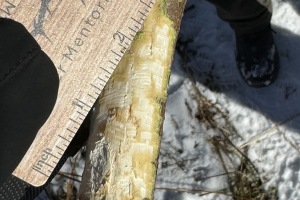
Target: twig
290,142
268,132
68,174
197,191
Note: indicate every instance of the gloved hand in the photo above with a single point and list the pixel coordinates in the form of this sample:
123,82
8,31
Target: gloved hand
28,90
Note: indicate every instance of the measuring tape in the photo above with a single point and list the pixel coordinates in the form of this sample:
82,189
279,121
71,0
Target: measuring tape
86,40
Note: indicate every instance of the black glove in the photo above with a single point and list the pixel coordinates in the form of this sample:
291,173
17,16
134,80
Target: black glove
28,90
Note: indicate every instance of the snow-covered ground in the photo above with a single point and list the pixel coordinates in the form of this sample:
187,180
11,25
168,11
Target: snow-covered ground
264,123
208,101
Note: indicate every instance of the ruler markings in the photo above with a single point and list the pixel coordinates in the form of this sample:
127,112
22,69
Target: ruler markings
108,72
66,145
144,15
79,107
101,80
82,105
81,115
137,22
60,148
51,154
62,137
124,48
134,31
92,97
97,88
132,35
76,122
97,91
113,63
41,172
116,54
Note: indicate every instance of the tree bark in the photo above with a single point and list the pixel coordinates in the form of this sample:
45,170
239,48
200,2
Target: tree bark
123,148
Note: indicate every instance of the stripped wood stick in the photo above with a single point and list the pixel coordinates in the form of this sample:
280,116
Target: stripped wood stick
126,130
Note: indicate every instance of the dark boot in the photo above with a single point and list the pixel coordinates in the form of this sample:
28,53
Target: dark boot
257,57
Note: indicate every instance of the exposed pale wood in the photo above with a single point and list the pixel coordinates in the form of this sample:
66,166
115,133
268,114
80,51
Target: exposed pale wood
83,39
125,138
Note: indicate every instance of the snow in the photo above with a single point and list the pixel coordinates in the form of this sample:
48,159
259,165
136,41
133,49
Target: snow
265,119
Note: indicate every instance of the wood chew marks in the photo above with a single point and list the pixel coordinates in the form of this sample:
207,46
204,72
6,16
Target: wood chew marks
126,129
